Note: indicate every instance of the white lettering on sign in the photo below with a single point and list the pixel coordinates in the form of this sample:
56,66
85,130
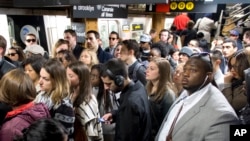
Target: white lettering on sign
80,34
107,9
86,8
109,15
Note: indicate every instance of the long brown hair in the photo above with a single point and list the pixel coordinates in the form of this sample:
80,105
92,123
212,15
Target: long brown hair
83,73
16,88
59,80
165,79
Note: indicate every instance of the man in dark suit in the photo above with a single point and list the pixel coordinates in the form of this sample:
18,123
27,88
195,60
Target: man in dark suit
92,39
70,35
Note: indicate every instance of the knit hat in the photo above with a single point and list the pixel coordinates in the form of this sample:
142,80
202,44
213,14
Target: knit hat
145,38
35,49
186,50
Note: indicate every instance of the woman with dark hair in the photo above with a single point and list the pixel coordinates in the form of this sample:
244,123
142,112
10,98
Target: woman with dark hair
44,130
18,91
15,53
66,57
32,67
106,100
84,101
233,80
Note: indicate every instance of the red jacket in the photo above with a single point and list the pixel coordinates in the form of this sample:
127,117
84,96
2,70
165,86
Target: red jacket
20,118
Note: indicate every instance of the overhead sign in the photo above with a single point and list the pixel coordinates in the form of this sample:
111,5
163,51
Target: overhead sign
43,3
100,11
192,7
136,27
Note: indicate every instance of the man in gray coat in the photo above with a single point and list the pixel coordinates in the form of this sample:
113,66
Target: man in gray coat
201,112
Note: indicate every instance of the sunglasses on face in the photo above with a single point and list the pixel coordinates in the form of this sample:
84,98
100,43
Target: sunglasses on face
11,54
31,40
110,38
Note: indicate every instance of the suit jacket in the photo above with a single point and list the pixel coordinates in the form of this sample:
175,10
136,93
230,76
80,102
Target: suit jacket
77,51
209,119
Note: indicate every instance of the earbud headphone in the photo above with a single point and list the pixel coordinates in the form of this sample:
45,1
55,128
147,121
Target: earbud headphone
118,79
205,80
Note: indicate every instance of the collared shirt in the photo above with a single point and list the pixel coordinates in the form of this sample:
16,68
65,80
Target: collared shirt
188,102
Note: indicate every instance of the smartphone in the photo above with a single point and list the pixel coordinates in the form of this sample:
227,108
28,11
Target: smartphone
247,86
101,120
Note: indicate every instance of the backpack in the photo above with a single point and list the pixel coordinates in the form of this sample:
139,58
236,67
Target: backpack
136,68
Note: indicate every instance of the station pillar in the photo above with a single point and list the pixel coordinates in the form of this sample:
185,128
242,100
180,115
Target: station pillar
91,24
158,21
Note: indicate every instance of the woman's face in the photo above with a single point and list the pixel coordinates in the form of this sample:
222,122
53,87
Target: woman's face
62,47
233,70
12,54
95,77
152,72
31,72
170,39
45,81
177,76
72,77
85,58
175,56
154,54
118,51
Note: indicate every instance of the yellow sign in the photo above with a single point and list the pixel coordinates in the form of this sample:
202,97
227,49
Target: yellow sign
189,6
181,5
173,5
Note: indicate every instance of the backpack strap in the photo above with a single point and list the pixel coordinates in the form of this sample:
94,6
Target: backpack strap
136,68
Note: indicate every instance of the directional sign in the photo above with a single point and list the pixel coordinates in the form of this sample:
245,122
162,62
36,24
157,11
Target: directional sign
194,7
100,11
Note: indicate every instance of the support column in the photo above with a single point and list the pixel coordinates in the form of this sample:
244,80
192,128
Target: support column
91,24
158,21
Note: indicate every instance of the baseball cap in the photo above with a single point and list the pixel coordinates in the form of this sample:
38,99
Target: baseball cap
35,49
234,32
145,38
186,50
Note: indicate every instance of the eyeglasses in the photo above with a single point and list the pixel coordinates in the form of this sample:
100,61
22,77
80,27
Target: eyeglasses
11,54
112,38
204,56
31,40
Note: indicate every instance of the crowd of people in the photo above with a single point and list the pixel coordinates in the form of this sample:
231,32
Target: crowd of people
186,86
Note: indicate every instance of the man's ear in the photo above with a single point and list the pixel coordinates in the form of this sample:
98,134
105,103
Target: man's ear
210,76
131,52
218,62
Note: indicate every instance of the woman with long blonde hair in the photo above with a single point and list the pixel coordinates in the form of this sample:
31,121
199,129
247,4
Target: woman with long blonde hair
55,90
